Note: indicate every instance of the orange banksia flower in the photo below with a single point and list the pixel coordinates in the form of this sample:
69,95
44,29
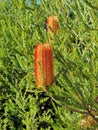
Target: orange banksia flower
43,65
88,121
52,24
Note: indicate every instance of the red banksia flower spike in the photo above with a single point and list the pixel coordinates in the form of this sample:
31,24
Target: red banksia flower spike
43,65
52,24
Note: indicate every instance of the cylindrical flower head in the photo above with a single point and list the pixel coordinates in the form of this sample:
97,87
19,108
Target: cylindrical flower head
52,24
43,65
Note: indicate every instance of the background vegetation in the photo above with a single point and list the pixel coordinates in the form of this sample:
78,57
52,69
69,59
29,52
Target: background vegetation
74,93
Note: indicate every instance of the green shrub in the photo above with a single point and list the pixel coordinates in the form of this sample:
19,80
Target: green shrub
74,92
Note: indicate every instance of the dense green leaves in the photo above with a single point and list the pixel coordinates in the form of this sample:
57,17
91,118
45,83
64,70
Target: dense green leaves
75,89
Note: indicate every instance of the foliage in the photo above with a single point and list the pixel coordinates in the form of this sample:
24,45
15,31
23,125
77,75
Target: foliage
75,89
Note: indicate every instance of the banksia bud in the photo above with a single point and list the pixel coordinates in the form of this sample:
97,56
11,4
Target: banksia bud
88,121
43,65
52,24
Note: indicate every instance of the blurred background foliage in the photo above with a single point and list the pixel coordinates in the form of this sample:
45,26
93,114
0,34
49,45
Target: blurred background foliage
74,93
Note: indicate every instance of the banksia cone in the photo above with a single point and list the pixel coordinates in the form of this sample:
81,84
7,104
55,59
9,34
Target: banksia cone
52,24
43,65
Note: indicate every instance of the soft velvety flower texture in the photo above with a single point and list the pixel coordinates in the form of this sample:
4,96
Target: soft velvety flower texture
43,65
